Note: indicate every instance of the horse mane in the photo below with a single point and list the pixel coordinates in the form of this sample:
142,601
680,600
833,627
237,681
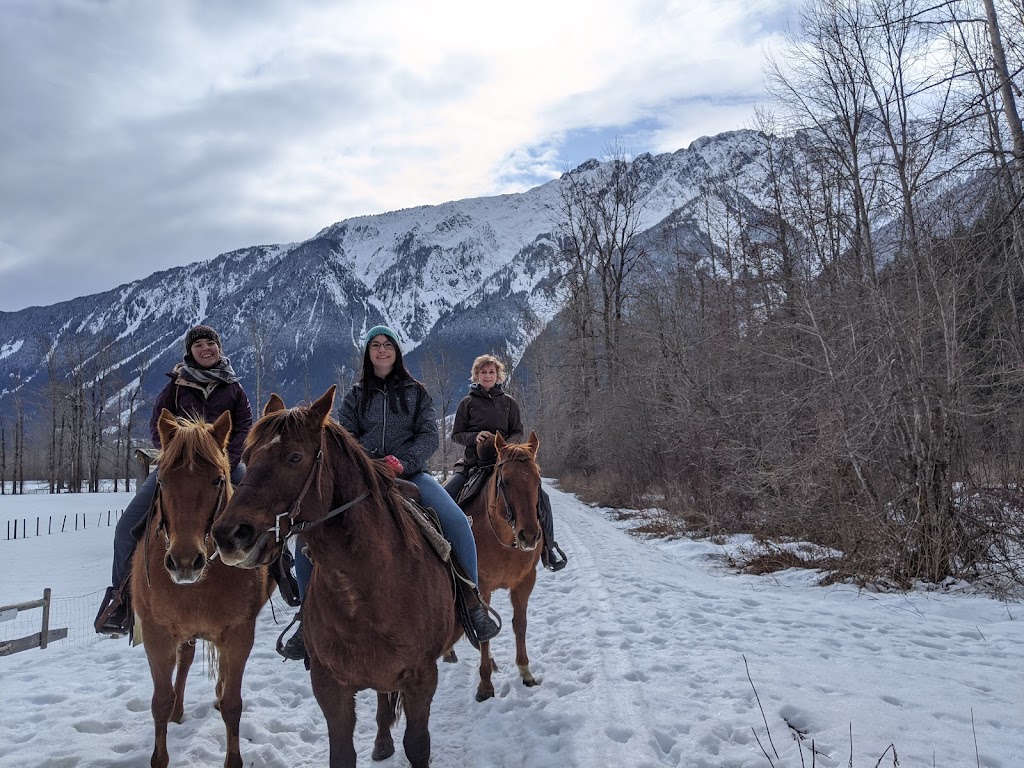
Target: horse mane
517,452
291,422
191,444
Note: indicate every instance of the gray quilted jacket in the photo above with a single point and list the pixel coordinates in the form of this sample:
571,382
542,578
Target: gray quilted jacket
411,437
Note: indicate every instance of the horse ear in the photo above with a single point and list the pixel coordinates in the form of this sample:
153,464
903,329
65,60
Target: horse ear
321,409
222,429
167,425
499,442
533,443
274,404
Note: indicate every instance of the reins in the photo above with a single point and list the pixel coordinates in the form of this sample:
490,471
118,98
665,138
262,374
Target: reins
294,526
509,513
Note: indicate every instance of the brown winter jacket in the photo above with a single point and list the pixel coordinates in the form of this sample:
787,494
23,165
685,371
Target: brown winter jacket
185,398
482,411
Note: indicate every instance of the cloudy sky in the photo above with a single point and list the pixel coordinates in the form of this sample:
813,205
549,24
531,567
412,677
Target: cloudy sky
139,135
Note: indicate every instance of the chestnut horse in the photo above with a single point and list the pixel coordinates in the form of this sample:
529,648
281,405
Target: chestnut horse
179,593
508,538
379,609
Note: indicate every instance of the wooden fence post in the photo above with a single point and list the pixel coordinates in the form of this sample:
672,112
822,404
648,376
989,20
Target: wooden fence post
46,618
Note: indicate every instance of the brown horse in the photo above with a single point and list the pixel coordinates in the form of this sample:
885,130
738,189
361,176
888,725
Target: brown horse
379,610
179,593
508,538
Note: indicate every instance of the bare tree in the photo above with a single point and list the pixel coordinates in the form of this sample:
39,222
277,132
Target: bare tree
259,337
439,379
3,455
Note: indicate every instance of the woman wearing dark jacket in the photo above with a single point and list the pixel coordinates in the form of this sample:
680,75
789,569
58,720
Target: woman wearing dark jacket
392,416
485,410
203,384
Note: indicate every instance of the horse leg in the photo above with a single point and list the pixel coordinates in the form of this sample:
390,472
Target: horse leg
185,654
416,700
160,652
339,707
232,655
520,595
387,714
485,690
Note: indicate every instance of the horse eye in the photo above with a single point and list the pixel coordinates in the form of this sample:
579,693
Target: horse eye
295,458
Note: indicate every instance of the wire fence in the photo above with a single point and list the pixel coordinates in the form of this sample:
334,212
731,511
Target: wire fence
77,613
50,524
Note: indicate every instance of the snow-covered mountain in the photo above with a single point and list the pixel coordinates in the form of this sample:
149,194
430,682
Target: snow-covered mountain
463,277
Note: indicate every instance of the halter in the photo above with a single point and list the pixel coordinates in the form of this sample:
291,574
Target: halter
509,513
162,527
294,526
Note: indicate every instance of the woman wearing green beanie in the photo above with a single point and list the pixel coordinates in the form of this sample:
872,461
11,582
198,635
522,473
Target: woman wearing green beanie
392,415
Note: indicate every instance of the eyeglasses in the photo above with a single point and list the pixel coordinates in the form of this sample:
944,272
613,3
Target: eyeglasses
387,346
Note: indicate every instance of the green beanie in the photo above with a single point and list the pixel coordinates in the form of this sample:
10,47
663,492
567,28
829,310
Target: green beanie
381,330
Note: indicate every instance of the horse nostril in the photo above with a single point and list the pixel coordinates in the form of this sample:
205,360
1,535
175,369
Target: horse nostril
169,563
199,562
237,537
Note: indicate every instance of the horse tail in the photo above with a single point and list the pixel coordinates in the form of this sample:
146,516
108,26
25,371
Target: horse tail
212,661
396,703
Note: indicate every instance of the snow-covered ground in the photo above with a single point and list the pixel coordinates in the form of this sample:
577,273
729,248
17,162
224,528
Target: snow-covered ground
643,650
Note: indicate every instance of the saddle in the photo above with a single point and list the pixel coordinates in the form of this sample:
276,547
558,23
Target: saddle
478,477
465,590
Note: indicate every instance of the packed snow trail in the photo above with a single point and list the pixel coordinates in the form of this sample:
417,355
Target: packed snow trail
642,649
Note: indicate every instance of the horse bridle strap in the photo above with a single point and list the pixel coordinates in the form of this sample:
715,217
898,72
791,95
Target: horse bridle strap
509,514
301,526
304,525
162,526
293,510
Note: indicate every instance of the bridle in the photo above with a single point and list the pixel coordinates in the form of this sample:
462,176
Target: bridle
294,526
157,506
509,514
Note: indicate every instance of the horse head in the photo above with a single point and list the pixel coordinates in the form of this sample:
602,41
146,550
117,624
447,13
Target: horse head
517,488
284,465
194,482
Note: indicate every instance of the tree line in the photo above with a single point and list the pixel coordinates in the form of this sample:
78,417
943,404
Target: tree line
844,362
841,363
77,428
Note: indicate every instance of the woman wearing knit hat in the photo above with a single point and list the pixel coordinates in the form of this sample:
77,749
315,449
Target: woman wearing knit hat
202,384
392,415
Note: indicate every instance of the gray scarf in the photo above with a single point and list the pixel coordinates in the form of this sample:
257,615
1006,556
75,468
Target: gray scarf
207,378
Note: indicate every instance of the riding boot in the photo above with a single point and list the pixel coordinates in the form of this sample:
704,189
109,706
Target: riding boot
112,618
482,626
295,648
551,555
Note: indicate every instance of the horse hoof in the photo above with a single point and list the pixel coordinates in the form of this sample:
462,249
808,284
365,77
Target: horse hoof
484,695
450,657
531,682
383,751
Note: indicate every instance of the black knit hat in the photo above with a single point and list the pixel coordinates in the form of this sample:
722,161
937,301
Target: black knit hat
200,332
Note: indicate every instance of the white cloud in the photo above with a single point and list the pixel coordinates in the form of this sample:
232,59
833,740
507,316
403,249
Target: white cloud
194,128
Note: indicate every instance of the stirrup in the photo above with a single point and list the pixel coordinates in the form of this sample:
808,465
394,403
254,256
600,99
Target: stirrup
295,648
112,618
554,558
484,627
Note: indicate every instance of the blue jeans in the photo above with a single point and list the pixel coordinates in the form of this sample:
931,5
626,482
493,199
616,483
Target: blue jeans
124,542
454,523
454,526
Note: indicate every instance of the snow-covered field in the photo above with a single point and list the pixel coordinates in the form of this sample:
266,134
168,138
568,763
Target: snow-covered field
643,650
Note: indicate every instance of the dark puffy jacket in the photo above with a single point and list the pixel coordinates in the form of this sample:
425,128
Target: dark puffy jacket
482,411
410,437
186,398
